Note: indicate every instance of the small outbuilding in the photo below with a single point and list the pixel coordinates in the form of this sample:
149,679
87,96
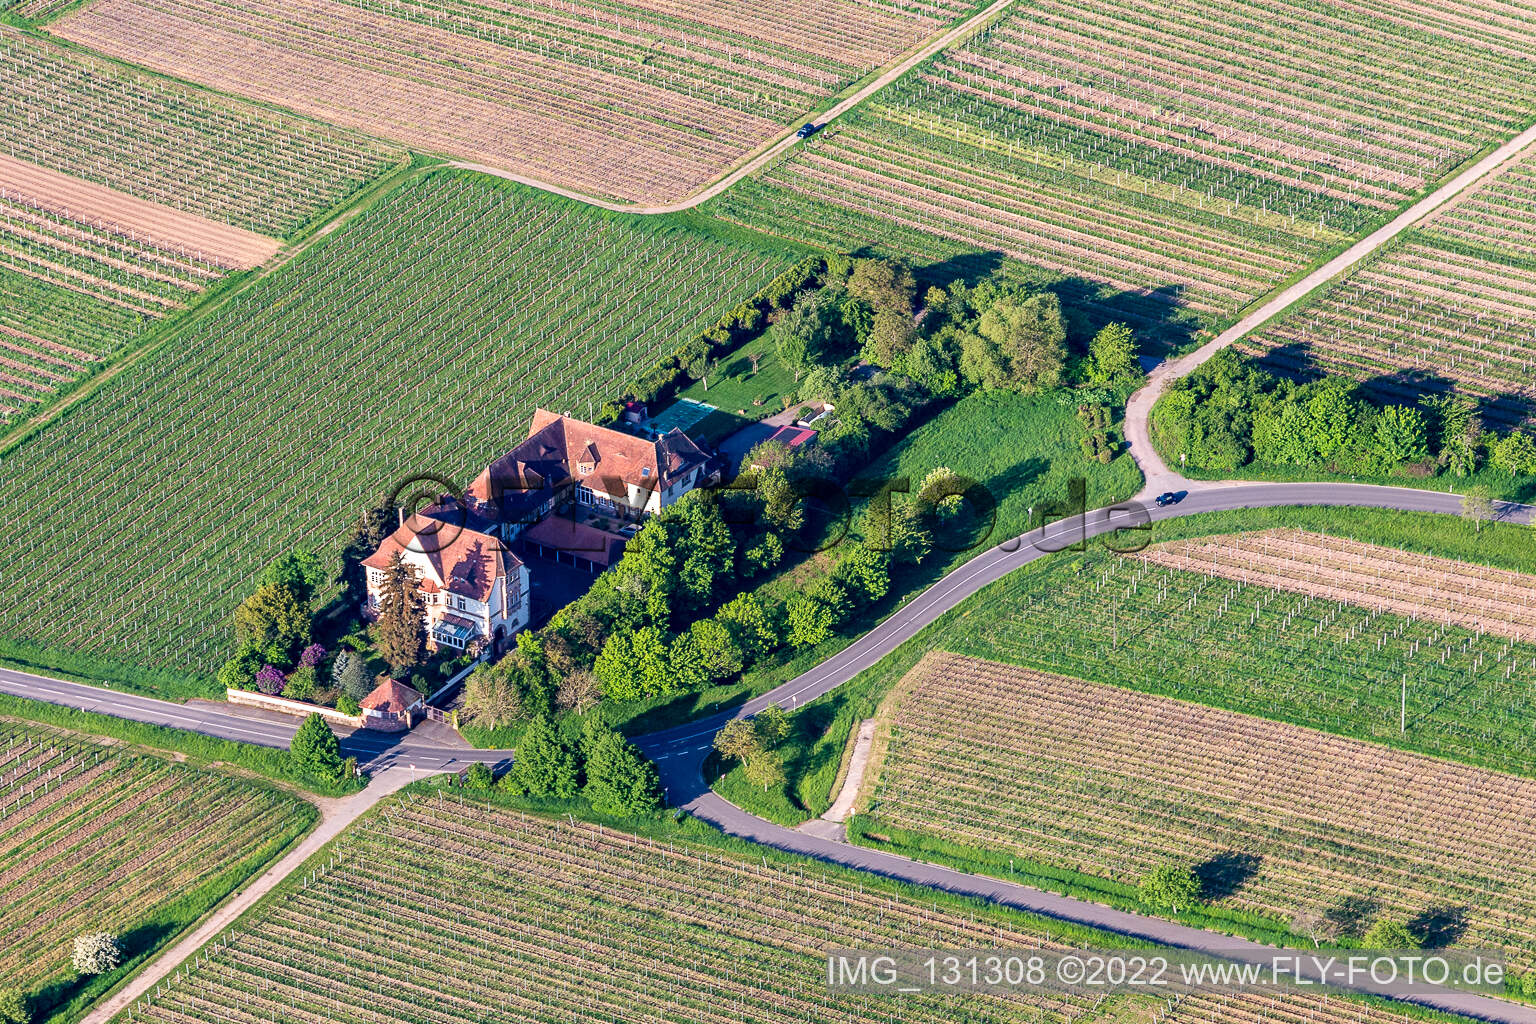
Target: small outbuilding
391,707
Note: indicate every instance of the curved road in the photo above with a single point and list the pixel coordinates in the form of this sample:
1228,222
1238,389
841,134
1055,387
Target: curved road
680,752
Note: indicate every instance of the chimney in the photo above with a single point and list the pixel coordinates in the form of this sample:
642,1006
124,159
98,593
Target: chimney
400,515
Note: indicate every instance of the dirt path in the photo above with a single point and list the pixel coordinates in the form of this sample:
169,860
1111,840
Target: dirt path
335,815
900,67
856,764
154,224
1159,477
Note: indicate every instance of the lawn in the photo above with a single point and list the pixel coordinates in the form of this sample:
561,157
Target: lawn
97,837
740,394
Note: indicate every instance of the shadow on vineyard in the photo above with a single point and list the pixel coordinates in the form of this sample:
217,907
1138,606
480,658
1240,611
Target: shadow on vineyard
136,943
1440,926
1226,873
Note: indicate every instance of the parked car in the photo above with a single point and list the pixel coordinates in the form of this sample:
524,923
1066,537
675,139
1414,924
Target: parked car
806,131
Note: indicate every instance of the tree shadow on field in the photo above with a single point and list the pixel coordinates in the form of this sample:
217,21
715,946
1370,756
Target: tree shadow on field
1162,323
970,267
809,756
136,943
1352,915
1225,873
1440,926
1294,362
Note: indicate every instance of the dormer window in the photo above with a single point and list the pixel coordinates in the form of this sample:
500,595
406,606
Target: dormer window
583,468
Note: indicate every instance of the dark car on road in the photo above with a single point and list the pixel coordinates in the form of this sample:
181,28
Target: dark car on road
806,131
1169,498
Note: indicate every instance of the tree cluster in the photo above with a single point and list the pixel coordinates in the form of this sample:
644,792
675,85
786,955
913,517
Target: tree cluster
272,625
754,743
603,767
1230,413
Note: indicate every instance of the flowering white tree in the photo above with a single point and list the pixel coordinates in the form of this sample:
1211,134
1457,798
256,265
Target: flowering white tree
96,953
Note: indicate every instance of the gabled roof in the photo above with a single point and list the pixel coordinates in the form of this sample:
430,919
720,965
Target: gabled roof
459,560
560,449
392,696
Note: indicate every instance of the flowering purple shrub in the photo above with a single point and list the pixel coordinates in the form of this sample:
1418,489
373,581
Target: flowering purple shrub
270,680
312,656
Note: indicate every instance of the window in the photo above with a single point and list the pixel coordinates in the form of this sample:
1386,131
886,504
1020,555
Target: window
645,471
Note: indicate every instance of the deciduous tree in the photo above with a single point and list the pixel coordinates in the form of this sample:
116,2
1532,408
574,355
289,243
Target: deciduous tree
13,1007
302,572
1515,453
96,953
704,653
808,620
579,691
1170,887
884,284
808,332
274,623
1112,358
1400,436
865,574
1477,507
492,697
751,625
1030,337
1389,933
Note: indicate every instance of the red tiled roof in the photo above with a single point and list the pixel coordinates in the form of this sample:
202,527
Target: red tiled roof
559,447
791,436
392,696
463,561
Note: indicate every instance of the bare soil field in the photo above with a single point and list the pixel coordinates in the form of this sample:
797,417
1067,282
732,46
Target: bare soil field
173,144
643,101
1275,818
84,268
1474,597
148,224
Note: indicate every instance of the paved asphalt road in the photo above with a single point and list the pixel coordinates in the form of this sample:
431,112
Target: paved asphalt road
680,752
429,747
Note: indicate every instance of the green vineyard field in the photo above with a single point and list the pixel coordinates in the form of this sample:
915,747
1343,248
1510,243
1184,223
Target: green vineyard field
417,340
